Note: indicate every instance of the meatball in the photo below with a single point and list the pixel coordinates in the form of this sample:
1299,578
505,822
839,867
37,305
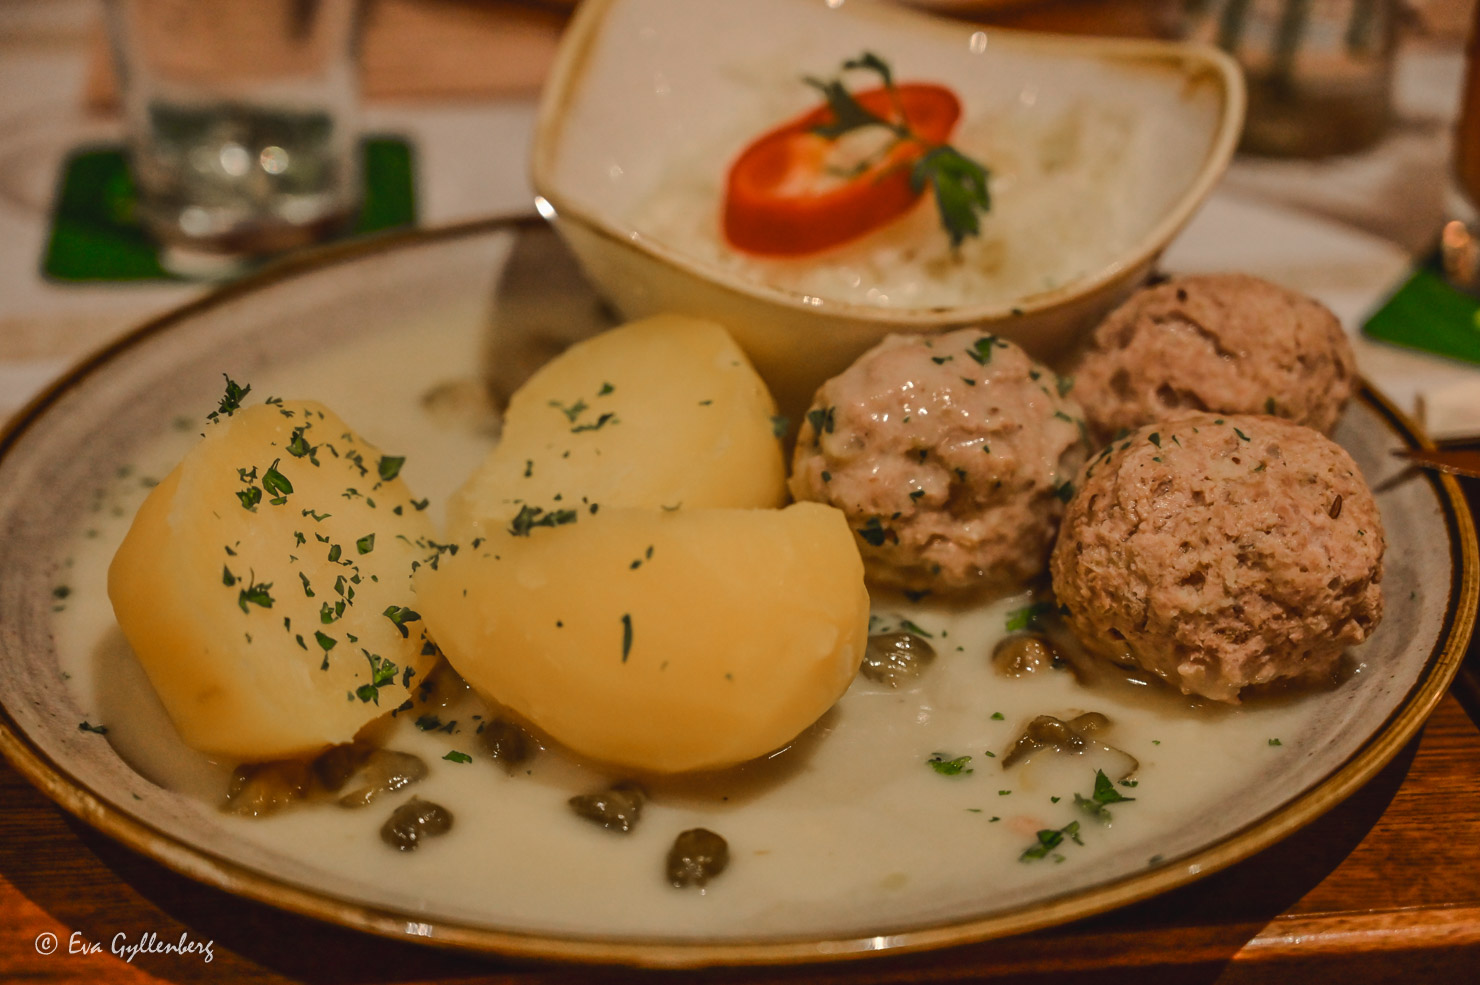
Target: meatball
951,455
1222,343
1221,552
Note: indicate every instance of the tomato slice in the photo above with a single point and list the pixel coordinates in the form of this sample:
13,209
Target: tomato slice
781,199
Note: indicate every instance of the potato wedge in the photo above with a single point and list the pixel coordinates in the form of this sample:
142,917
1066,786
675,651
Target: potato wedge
659,642
662,412
265,585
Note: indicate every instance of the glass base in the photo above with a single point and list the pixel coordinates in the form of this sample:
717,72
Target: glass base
199,265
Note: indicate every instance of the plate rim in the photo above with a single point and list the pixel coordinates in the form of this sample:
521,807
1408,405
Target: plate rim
175,853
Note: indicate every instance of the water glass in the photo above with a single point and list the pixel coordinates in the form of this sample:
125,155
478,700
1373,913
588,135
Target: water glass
242,122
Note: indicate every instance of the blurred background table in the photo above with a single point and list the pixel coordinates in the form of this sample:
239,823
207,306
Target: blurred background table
1385,888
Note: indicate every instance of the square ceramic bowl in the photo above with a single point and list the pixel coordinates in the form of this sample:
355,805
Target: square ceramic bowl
650,101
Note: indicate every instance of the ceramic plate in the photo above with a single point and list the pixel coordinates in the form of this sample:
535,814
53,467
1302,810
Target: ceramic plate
447,309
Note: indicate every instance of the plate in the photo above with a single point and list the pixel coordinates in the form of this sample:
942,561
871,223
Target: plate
486,299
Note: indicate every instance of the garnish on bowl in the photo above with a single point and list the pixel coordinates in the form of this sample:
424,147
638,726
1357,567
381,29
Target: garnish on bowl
853,165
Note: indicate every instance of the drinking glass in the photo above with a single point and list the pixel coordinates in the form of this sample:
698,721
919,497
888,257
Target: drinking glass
242,124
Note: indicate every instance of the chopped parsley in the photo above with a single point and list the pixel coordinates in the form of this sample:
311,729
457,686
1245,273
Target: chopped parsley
1104,795
255,594
382,672
299,447
400,615
231,401
86,726
453,756
981,349
1049,839
1027,618
823,419
780,424
572,412
277,484
626,635
959,183
609,417
874,532
910,626
949,767
534,516
390,466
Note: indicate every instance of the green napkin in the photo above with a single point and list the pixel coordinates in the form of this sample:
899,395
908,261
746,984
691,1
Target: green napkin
95,238
1426,313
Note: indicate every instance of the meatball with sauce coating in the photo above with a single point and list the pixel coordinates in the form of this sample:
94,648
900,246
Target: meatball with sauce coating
951,456
1221,552
1218,343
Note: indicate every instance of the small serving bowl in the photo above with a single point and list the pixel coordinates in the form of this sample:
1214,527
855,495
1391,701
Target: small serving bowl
643,87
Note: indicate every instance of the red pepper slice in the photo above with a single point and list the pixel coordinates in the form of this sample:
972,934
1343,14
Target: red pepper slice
772,207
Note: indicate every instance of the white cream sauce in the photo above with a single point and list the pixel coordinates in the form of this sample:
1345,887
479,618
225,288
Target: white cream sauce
850,826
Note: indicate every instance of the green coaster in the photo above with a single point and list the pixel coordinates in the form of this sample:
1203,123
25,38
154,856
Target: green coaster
95,238
1426,313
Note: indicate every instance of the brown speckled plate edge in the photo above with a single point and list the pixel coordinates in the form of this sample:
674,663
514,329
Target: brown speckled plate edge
57,783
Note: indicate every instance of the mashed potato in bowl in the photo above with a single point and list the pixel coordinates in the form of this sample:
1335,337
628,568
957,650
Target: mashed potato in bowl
1050,223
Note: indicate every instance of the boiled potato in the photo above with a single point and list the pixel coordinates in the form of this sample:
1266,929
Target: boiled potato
265,585
661,412
658,641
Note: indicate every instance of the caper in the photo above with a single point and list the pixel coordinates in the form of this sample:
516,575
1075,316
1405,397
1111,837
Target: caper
384,771
617,808
894,658
441,687
1045,731
1090,721
413,821
334,767
510,745
697,856
258,789
1072,736
1025,653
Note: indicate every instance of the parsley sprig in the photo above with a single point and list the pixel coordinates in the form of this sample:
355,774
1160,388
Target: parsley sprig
958,183
1104,795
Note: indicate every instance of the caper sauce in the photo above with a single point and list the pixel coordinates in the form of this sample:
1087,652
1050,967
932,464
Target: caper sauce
697,856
